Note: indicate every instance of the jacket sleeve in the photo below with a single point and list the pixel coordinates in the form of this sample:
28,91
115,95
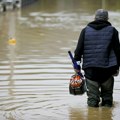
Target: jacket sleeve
116,45
80,46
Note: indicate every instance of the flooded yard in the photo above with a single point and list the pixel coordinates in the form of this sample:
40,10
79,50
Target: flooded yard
35,68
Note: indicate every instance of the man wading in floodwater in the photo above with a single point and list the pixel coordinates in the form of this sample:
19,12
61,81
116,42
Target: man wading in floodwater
99,45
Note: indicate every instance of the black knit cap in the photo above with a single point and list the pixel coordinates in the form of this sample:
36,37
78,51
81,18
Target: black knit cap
101,14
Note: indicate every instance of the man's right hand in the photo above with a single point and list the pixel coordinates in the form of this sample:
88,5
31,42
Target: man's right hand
117,73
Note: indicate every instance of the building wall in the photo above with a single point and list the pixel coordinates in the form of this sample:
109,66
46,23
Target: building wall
27,2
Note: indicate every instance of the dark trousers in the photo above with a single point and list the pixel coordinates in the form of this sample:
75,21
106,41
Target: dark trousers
97,91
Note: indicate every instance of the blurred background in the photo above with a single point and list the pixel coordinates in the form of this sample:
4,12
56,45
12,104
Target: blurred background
35,36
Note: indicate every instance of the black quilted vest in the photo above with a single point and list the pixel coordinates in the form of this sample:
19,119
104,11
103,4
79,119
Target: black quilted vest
98,51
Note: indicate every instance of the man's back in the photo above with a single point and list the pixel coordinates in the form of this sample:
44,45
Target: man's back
97,48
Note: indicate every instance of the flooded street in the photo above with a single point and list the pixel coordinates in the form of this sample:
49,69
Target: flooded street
35,69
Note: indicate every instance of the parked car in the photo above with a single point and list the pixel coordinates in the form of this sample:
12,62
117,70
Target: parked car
9,4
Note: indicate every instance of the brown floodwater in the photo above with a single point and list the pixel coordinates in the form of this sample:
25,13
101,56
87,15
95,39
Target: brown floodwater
35,68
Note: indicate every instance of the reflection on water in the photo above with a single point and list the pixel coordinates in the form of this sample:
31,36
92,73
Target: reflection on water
35,72
91,113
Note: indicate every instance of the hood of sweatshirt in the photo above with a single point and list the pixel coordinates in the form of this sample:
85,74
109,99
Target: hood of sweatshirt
99,24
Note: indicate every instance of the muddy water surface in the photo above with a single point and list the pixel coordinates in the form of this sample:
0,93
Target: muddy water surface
35,69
